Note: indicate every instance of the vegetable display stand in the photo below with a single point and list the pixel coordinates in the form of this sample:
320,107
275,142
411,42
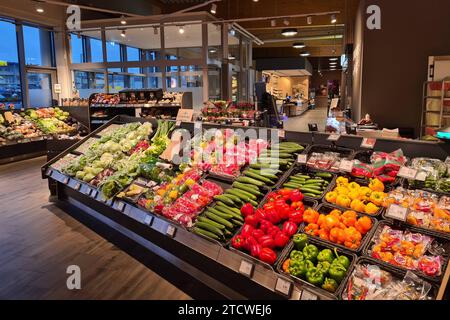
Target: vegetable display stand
421,185
327,157
348,292
313,184
327,209
425,256
348,198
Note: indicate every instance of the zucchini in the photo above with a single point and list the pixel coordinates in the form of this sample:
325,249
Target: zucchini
251,181
210,228
206,233
213,223
218,219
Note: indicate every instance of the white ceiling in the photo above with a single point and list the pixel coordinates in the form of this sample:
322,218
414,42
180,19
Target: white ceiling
290,73
145,37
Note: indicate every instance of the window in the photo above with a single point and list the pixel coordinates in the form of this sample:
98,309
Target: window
96,50
136,82
88,83
76,44
113,51
10,85
116,82
38,47
133,54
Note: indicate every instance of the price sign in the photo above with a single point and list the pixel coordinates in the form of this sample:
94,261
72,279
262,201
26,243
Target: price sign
306,295
368,143
178,123
407,173
148,220
281,134
66,180
397,212
346,166
302,158
94,193
171,230
246,268
120,206
283,286
334,137
421,176
77,186
185,115
88,191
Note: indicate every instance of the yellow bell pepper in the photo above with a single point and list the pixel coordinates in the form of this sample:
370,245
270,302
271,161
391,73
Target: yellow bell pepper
364,193
354,186
377,198
343,201
331,197
354,194
342,190
342,182
376,185
372,208
358,205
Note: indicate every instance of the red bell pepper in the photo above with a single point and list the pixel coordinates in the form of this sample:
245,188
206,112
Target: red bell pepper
272,196
266,226
266,241
296,217
255,250
267,255
252,220
273,231
281,240
273,216
261,214
296,195
283,211
289,228
247,210
258,233
269,205
247,230
238,242
249,243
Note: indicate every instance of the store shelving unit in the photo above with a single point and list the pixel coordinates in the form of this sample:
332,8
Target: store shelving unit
206,263
436,107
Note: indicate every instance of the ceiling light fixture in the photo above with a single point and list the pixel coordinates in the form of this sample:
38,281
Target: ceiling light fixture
231,57
232,32
212,50
334,59
290,32
309,20
305,54
255,0
273,23
39,8
213,8
299,45
122,20
181,29
123,34
333,18
155,31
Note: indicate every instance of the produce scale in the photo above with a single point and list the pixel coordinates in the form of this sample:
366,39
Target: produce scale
329,215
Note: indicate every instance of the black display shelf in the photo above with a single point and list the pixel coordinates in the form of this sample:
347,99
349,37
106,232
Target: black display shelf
206,263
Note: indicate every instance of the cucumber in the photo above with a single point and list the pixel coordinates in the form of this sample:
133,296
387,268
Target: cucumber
210,228
324,175
237,191
213,223
241,195
225,210
232,209
237,222
302,176
281,162
307,190
290,185
248,191
311,195
314,181
218,219
228,233
258,177
224,199
251,181
263,173
246,186
318,188
206,233
225,216
264,166
233,197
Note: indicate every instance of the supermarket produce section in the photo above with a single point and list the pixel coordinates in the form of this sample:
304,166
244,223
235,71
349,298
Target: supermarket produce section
328,221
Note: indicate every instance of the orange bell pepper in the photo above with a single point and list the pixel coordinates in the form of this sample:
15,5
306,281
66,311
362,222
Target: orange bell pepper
336,213
349,218
311,216
352,238
330,222
321,219
331,197
363,225
286,265
324,234
311,229
337,236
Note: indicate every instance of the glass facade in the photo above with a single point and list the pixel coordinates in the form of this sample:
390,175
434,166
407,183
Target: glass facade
38,47
76,45
96,50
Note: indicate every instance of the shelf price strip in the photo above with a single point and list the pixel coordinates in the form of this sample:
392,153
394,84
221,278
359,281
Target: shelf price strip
302,158
407,173
283,286
306,295
171,230
246,268
148,220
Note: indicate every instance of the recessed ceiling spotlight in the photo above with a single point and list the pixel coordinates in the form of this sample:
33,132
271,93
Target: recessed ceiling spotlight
255,0
122,20
334,59
299,45
181,29
333,63
213,8
231,57
333,18
290,32
309,20
305,54
123,34
212,50
232,32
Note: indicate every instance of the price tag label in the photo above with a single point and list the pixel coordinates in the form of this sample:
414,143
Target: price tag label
368,143
407,173
171,230
197,125
77,186
66,180
421,176
94,193
397,212
88,191
346,166
246,268
334,137
302,158
148,220
281,134
306,295
178,123
283,286
120,206
49,172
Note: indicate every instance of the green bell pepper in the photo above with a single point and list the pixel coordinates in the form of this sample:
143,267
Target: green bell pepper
310,252
342,260
325,255
315,277
324,266
337,272
300,241
300,268
296,256
330,285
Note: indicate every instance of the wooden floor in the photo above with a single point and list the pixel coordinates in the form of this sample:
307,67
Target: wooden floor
38,241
